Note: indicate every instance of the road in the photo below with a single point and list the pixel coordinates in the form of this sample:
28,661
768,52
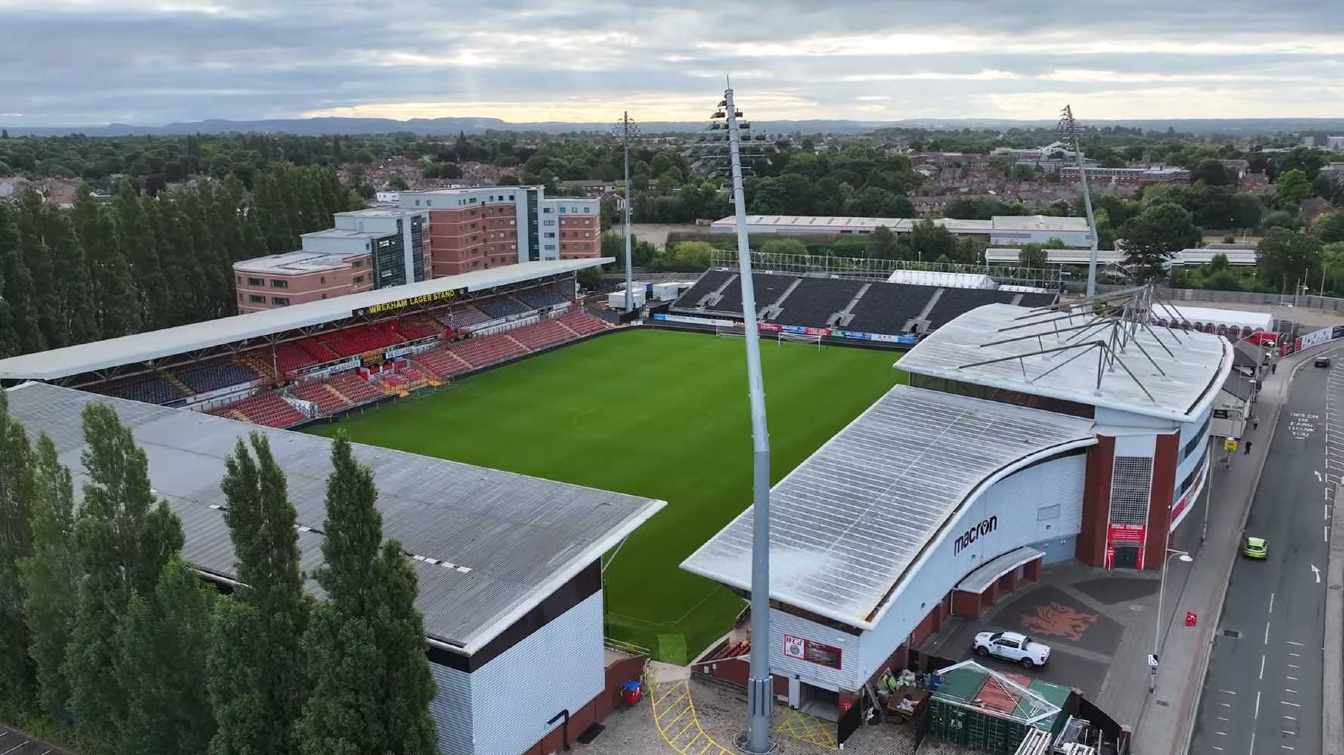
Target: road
14,742
1262,693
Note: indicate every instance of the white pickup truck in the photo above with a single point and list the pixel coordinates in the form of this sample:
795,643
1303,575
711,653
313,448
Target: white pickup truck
1011,646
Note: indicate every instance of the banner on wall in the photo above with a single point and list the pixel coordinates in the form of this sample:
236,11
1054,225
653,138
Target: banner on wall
811,651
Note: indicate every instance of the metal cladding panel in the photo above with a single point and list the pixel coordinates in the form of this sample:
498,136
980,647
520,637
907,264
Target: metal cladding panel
451,710
486,545
558,667
848,523
848,677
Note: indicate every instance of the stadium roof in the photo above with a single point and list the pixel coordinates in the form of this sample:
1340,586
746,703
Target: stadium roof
1216,316
488,545
143,347
836,224
1200,363
850,522
296,263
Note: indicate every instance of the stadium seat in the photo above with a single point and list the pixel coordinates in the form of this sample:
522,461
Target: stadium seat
502,306
355,389
462,317
767,288
215,375
442,362
267,409
547,296
317,391
487,350
149,388
816,299
887,307
543,334
583,323
708,283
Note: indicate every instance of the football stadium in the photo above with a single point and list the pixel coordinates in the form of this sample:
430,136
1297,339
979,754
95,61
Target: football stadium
571,485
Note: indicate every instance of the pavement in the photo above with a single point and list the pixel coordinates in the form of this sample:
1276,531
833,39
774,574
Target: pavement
1099,626
1262,692
15,742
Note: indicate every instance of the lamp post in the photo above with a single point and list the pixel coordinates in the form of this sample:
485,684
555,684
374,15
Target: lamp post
1069,128
759,693
1208,492
1184,558
627,127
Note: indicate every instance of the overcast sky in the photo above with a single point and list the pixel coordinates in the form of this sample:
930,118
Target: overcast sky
82,62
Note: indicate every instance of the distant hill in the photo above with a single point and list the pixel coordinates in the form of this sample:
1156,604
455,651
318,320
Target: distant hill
451,126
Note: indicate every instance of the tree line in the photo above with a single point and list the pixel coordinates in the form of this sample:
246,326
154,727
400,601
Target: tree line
138,262
109,638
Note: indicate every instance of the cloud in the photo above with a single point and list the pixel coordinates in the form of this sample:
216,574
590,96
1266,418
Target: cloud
76,62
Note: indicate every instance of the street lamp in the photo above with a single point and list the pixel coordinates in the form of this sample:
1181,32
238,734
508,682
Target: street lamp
1184,558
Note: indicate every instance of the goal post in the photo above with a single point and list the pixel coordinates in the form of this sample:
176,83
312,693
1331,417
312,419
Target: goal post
785,337
729,330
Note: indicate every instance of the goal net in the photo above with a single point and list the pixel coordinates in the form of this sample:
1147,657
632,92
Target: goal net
729,330
798,338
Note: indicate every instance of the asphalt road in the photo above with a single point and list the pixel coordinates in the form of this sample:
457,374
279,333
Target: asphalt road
14,742
1262,693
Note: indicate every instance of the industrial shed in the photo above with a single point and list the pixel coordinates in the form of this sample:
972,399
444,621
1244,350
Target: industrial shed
509,566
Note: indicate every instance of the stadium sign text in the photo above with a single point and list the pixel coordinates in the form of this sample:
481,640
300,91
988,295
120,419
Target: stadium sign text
403,303
975,533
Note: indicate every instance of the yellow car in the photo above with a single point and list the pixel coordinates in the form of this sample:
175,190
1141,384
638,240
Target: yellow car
1255,547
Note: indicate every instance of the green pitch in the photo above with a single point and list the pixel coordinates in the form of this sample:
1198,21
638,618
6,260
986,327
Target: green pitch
651,413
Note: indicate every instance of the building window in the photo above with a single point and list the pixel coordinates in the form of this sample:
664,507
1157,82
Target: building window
550,234
280,301
323,279
417,203
510,197
548,222
276,283
546,210
255,282
358,279
587,210
357,264
256,298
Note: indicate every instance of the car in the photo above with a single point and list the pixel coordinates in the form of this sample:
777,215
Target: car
1011,646
1255,547
1322,362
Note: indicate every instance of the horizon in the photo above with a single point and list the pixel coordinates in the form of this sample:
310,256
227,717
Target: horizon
80,64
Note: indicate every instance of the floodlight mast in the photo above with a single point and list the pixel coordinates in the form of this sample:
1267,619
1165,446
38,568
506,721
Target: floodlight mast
626,127
759,688
1069,128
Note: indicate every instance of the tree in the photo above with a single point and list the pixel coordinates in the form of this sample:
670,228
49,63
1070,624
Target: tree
1212,173
258,694
51,577
1330,227
124,536
1284,257
371,589
882,244
162,667
880,203
929,241
18,290
139,247
36,254
1033,256
1293,186
784,246
16,544
1154,235
590,278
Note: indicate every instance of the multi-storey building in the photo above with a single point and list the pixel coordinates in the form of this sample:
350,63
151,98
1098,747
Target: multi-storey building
280,280
476,228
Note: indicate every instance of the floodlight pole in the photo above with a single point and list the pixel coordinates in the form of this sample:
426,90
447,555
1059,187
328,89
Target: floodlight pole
759,688
1071,128
625,134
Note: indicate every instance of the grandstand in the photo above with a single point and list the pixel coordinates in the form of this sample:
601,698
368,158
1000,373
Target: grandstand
284,367
849,307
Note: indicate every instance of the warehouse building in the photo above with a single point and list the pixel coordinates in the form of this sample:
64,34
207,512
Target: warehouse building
509,566
1001,230
1024,438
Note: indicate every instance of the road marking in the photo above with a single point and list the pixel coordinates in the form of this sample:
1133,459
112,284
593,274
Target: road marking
1290,691
1262,663
1327,511
1285,747
1290,718
1317,572
1296,644
15,747
1285,702
1325,533
1228,691
1318,475
1266,632
1293,665
1271,604
1257,706
1291,678
1216,747
1224,718
1221,733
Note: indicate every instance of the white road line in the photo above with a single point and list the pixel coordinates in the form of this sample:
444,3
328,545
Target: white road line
1290,718
1286,747
1295,655
1288,733
1271,604
1290,691
1316,573
1266,632
1290,642
1290,678
1224,718
1221,733
15,747
1257,706
1228,691
1293,665
1285,702
1216,747
1262,664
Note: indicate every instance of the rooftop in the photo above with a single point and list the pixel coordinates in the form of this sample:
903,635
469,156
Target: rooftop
1188,377
377,212
848,524
142,347
904,225
487,546
296,263
342,233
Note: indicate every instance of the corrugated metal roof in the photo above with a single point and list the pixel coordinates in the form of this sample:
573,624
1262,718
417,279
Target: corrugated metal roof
848,524
1198,364
142,347
501,542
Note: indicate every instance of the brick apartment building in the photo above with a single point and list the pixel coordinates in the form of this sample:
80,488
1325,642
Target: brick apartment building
484,227
373,248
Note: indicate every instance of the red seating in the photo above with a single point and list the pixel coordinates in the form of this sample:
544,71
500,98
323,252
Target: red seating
583,323
487,350
415,328
355,388
359,339
267,409
442,362
319,393
542,334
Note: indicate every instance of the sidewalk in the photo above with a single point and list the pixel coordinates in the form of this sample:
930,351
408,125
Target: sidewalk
1168,716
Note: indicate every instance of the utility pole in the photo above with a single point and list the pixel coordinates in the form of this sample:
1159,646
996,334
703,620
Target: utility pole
627,126
759,688
1069,127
